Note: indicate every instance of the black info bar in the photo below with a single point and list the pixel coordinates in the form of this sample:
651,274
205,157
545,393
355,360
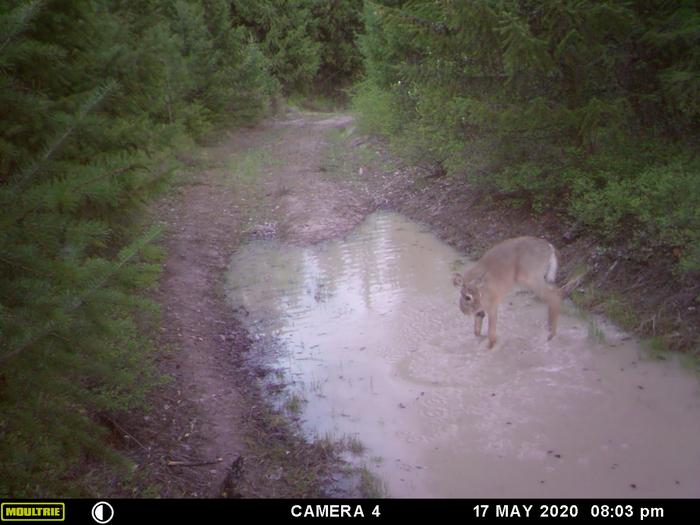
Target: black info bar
200,511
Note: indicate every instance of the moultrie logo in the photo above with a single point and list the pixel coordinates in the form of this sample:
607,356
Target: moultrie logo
33,511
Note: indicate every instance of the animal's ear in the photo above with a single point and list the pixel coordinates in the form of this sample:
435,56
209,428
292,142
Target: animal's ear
457,279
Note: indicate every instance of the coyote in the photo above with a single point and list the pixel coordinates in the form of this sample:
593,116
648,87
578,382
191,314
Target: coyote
527,261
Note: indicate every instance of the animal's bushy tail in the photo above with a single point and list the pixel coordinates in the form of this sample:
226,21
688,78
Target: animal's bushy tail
553,265
551,274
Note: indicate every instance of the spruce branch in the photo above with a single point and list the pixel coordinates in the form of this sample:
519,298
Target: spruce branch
76,303
25,175
105,175
17,21
438,28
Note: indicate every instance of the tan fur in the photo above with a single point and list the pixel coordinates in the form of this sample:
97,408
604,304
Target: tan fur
522,260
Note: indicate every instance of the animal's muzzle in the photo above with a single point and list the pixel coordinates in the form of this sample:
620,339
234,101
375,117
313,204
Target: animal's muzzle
465,306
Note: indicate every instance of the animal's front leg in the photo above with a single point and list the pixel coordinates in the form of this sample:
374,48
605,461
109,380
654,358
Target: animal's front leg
478,323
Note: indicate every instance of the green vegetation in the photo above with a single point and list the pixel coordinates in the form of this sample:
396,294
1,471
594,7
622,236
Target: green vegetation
588,110
371,486
585,109
244,169
295,404
354,445
310,43
96,97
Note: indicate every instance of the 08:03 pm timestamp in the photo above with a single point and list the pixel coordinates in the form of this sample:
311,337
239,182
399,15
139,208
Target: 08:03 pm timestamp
567,511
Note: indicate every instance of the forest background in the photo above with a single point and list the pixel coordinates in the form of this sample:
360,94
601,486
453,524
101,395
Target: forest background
584,110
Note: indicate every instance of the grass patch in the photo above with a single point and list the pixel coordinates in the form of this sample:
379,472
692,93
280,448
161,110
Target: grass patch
619,311
583,300
316,103
658,349
295,404
691,361
352,444
349,158
244,168
371,486
594,331
655,348
316,387
355,446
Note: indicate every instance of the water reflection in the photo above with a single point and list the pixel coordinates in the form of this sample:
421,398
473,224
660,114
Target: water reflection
369,332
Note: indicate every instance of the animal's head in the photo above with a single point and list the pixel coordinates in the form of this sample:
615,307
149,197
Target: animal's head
469,295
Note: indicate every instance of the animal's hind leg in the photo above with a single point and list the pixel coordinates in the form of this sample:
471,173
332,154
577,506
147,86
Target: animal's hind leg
492,315
552,297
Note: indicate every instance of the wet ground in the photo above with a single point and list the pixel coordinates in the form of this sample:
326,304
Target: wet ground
370,348
367,335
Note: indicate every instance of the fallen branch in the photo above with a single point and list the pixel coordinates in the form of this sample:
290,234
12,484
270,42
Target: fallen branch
572,284
175,463
607,274
127,434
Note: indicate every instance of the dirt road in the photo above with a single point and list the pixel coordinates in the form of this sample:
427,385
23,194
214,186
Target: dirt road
274,180
298,179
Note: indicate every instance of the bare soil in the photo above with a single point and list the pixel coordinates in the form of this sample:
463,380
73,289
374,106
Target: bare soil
210,431
301,178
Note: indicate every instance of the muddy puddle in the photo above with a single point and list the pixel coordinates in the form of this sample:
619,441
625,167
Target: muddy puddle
368,337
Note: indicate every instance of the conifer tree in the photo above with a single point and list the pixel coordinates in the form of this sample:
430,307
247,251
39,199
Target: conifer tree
585,108
336,26
284,32
94,94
